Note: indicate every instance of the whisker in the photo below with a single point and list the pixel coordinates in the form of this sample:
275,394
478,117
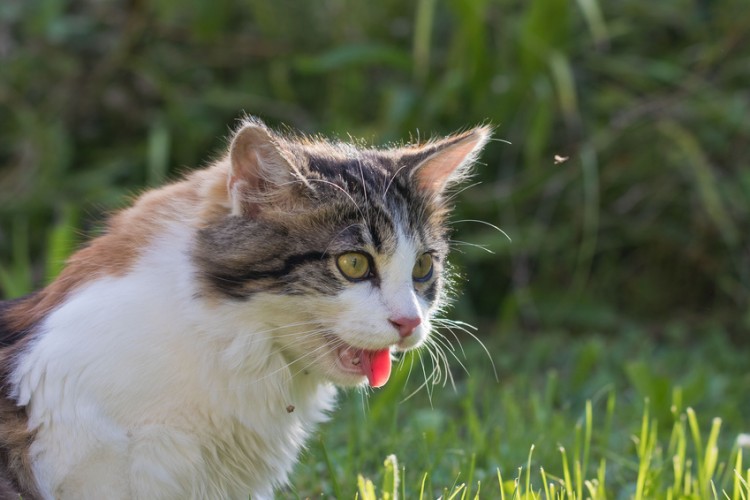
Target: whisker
475,245
455,194
262,336
486,224
449,328
444,373
332,346
393,178
411,366
450,349
325,252
428,388
343,191
362,177
423,385
465,327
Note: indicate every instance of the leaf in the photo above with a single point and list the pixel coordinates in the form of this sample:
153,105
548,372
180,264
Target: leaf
346,56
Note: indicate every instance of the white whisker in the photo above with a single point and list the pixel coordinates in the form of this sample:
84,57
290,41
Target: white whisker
393,178
343,191
449,328
333,347
465,327
475,245
486,224
450,349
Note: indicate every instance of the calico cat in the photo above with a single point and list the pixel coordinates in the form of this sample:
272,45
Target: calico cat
190,350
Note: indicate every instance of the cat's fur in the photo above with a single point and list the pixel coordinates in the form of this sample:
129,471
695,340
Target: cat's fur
190,350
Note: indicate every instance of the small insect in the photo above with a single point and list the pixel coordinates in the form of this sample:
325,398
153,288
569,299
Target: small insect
290,408
561,159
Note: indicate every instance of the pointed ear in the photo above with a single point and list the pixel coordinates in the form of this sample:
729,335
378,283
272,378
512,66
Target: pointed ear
259,167
447,161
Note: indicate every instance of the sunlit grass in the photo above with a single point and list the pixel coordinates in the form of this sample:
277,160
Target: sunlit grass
546,431
665,469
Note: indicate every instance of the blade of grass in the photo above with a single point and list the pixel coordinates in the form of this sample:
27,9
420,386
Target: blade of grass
588,431
592,12
500,484
528,469
711,458
424,481
422,37
331,471
62,242
366,488
699,451
17,279
736,483
568,483
545,484
470,475
704,178
390,478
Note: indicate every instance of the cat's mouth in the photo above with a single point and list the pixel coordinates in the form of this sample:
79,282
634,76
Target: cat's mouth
375,365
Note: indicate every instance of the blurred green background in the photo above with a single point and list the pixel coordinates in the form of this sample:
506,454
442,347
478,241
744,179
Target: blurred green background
644,224
620,172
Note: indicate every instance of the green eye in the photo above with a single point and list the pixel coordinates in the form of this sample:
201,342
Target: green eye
422,268
354,265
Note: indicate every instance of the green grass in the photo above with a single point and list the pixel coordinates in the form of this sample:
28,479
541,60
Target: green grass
587,416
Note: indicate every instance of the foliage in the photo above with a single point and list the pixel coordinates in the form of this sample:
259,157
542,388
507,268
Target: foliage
643,222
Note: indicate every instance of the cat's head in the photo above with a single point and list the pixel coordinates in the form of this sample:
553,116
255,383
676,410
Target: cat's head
342,249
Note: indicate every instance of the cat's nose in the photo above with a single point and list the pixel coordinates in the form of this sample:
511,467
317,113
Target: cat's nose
405,325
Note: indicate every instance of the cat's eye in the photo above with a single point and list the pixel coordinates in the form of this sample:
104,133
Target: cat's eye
422,270
354,265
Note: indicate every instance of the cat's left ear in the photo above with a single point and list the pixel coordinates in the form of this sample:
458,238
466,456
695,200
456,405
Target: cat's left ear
445,162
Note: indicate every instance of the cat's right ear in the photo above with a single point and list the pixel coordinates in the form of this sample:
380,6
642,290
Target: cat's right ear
259,167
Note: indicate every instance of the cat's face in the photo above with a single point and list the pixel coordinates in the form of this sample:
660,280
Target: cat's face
344,248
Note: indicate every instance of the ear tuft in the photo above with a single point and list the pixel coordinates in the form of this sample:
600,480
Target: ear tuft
259,165
448,160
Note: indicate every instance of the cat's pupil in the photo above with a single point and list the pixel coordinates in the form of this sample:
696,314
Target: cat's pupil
354,265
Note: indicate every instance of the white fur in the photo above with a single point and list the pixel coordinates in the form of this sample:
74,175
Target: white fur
138,388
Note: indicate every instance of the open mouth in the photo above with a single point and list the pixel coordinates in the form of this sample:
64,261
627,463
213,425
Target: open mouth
375,365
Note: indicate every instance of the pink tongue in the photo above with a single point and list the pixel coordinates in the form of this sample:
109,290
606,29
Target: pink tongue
377,366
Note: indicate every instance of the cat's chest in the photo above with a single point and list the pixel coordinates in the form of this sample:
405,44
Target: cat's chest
228,451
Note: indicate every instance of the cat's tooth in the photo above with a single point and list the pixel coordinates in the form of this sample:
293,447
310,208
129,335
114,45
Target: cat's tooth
355,361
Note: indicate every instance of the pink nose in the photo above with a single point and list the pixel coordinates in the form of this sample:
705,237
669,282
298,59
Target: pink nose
405,326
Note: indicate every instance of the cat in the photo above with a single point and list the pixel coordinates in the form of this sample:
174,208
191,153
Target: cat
190,350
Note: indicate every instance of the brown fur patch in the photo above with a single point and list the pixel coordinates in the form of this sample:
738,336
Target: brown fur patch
15,439
116,251
16,477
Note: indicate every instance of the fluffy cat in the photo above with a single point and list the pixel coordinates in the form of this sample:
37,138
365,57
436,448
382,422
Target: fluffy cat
190,350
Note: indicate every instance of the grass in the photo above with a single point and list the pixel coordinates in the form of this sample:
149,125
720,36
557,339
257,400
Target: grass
585,416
